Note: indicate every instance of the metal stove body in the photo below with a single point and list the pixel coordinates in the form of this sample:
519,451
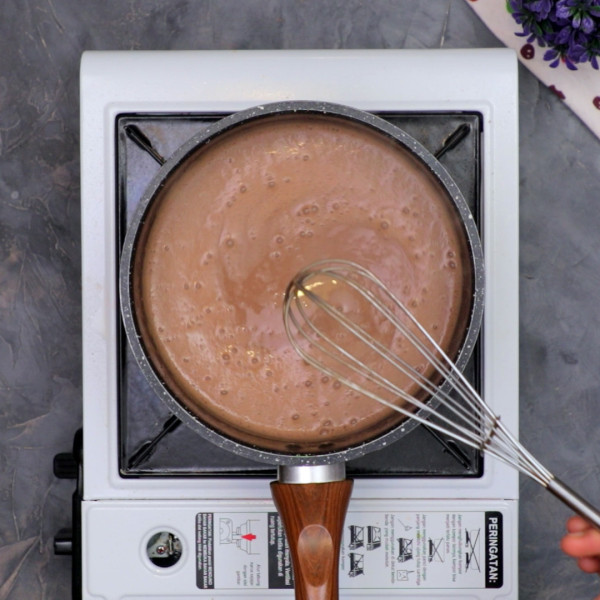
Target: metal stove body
165,516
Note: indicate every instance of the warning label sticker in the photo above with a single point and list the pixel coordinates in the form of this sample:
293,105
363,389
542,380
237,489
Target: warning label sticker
379,550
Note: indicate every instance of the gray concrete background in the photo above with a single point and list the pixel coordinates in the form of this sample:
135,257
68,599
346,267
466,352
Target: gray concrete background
40,351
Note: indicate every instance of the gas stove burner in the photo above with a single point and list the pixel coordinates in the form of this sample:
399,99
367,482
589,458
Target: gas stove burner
152,443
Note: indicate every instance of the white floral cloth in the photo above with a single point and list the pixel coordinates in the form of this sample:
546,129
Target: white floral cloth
579,89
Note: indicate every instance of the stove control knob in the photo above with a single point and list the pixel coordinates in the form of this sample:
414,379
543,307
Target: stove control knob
63,543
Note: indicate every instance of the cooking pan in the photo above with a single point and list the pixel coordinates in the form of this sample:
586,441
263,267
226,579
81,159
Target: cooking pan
206,328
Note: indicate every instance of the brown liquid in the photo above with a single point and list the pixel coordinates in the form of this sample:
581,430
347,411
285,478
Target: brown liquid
231,228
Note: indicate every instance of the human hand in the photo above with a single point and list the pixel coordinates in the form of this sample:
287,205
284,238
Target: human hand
583,543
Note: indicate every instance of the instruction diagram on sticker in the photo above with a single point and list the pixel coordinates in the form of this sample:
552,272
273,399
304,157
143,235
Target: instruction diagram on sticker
240,535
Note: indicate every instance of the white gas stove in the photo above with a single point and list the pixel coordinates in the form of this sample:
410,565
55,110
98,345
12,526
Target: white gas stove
166,515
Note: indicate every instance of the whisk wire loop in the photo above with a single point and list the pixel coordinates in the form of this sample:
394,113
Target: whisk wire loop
466,417
301,293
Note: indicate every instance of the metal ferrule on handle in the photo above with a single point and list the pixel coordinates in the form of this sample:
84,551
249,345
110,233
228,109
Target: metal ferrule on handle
574,501
312,473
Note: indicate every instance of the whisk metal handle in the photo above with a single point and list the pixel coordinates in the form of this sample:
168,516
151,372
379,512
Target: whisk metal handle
574,501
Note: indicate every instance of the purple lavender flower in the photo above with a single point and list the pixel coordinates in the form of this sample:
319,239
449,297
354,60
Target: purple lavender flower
542,8
569,28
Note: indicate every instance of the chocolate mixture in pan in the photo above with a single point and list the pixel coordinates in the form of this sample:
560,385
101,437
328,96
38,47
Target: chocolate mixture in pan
237,221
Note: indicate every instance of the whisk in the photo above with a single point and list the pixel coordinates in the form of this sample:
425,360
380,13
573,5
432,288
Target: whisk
342,344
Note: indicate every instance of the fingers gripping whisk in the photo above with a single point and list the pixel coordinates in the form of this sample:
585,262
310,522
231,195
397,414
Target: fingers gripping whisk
343,320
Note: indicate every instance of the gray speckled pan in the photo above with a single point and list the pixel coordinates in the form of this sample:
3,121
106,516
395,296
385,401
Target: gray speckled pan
131,246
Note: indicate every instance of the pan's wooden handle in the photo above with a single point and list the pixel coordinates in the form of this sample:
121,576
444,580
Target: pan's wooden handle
313,516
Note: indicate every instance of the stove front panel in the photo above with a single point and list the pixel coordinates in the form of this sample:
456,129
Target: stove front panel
424,550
